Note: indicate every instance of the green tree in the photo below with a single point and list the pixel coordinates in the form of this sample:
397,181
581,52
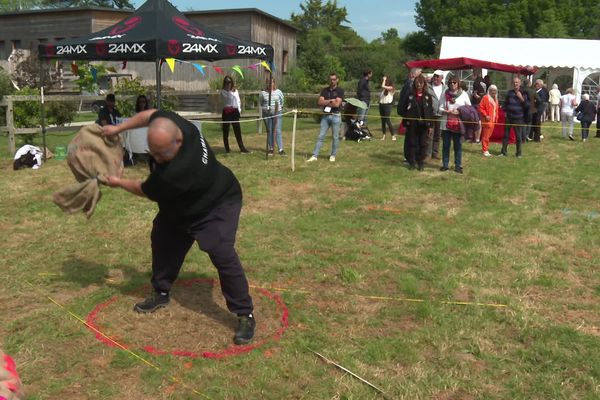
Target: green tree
16,5
509,18
86,3
6,86
315,14
323,39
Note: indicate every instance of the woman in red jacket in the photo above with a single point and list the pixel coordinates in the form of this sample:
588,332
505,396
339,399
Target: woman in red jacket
488,108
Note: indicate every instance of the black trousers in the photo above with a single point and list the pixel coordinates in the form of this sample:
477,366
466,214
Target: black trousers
233,119
436,138
215,235
416,136
385,110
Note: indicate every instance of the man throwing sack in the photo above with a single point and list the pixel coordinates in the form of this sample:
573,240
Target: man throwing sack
199,199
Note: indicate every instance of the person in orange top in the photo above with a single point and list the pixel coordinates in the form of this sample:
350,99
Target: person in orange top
488,108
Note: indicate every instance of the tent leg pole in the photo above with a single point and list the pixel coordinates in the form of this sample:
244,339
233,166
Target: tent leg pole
43,113
273,121
158,79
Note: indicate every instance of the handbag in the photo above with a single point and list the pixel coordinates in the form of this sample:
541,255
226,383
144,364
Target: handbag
453,123
579,116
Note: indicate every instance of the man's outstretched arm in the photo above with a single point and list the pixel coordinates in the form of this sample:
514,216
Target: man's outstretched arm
131,185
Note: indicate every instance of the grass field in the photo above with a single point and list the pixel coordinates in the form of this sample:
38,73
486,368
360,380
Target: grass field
430,285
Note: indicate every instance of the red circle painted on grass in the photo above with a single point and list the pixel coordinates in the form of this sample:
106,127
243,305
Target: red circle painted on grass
232,350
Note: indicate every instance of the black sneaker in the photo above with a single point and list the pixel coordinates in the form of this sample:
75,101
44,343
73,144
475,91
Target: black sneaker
270,152
458,170
281,153
245,330
443,168
152,303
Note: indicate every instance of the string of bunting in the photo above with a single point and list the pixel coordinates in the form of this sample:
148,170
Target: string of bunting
202,68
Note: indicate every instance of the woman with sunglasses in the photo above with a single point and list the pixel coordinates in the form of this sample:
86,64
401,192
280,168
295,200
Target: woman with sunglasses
454,97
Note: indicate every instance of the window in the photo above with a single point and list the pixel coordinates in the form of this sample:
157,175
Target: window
284,62
16,44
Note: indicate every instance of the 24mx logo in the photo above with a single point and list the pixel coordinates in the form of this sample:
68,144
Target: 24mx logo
260,51
200,48
121,48
78,49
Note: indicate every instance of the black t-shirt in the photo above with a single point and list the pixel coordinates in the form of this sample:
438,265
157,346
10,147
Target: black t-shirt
109,116
189,186
332,94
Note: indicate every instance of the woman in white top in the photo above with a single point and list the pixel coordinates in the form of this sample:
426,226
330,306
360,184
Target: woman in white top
386,99
451,126
554,95
232,108
272,114
568,102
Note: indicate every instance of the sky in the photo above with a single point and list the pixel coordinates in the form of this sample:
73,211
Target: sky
368,21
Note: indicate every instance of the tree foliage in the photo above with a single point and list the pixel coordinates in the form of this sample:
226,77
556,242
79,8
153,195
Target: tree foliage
86,3
17,5
576,19
326,45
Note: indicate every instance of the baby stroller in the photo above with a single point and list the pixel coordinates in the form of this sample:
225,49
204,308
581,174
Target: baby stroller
355,129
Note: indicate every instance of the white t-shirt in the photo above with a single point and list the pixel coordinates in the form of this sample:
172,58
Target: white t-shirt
567,106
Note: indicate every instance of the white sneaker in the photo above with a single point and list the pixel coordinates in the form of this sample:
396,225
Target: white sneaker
487,154
312,159
394,137
332,158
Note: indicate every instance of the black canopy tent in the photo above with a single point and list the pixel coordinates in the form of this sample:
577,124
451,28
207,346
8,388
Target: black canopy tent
155,31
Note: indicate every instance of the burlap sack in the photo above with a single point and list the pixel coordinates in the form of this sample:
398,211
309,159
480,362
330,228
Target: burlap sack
91,157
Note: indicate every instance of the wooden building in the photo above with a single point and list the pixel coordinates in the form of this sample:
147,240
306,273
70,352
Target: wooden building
27,29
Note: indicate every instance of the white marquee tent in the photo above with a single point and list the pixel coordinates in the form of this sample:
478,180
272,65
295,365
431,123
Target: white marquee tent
578,57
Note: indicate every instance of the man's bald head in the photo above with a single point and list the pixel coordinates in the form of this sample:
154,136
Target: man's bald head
164,139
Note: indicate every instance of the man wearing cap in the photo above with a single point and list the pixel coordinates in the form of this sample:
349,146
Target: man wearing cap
436,90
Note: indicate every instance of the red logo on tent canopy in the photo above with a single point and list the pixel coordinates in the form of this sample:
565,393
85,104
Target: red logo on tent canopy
174,47
186,26
231,49
50,50
101,48
126,25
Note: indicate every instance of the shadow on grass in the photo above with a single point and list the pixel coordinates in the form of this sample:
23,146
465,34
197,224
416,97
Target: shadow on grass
85,273
191,291
198,297
390,157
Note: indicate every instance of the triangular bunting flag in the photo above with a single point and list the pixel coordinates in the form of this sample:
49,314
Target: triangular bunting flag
171,63
253,66
219,70
94,72
264,64
237,69
124,66
199,68
74,69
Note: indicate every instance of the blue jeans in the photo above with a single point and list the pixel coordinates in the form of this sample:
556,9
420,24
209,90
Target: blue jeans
362,114
274,121
335,122
518,124
455,137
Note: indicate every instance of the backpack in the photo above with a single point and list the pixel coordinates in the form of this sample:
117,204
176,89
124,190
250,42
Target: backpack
469,113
